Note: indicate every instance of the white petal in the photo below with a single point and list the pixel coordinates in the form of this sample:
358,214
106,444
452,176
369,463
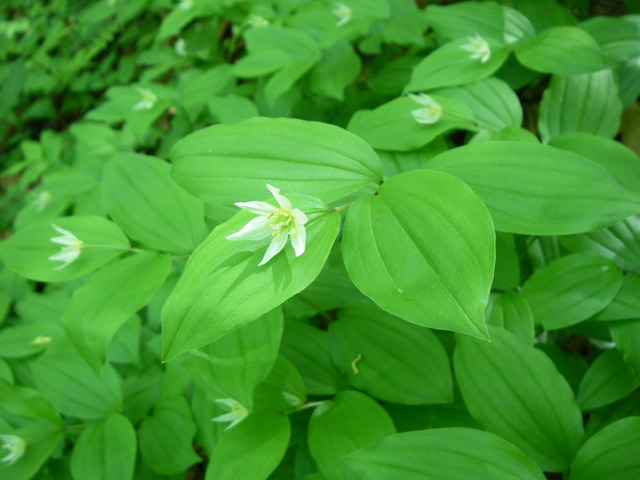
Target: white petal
298,239
282,201
277,244
299,216
426,116
255,229
259,208
67,256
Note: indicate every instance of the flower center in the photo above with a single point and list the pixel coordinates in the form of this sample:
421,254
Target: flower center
281,221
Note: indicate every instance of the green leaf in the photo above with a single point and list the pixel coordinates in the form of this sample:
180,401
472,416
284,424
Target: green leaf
28,249
27,402
350,422
282,389
451,65
252,449
74,388
492,102
546,13
166,437
391,126
512,312
308,348
41,439
210,298
617,159
235,363
232,108
414,246
100,307
150,206
611,454
365,345
220,166
608,379
105,451
339,66
28,339
571,289
587,102
507,271
520,181
562,51
444,454
507,375
626,336
619,37
624,305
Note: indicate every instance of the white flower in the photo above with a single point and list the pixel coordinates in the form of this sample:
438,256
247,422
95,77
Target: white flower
70,250
279,223
148,99
478,47
257,21
235,416
16,447
343,13
180,47
186,4
431,112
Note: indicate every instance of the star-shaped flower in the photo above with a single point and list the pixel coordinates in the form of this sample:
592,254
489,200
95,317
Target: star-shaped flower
70,250
431,112
148,99
280,223
479,48
343,13
16,447
235,416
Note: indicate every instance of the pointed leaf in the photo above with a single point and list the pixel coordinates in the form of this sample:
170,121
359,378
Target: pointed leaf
412,246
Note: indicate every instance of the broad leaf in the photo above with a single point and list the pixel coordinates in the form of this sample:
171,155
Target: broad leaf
27,250
512,312
365,342
220,165
156,211
100,307
539,190
515,391
105,451
210,298
611,454
41,439
412,247
27,402
571,289
252,449
562,51
586,103
444,454
350,422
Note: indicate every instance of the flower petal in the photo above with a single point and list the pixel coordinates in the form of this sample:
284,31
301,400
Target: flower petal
282,201
298,239
299,216
66,255
259,208
255,229
276,245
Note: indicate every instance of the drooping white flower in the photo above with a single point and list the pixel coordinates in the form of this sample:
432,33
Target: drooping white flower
185,4
70,250
257,21
344,14
148,99
16,447
280,223
41,340
235,416
431,111
479,48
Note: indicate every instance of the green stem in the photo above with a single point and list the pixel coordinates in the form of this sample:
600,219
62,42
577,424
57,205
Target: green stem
304,406
322,312
133,250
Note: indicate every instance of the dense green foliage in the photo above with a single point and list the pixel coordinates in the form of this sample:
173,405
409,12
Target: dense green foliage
319,240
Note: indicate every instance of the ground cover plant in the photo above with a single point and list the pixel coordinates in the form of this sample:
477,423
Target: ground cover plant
308,239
